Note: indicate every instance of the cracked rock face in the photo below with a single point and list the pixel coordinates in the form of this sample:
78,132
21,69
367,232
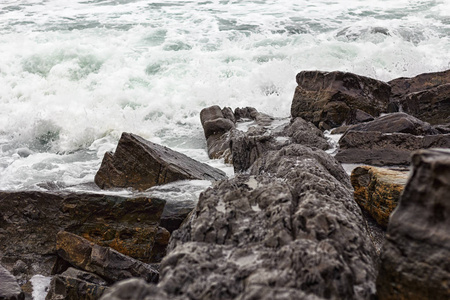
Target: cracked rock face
292,229
415,260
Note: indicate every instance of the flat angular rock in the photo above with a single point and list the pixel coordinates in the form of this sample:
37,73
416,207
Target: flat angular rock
29,222
415,260
103,261
378,190
330,99
397,123
141,164
9,288
384,149
425,96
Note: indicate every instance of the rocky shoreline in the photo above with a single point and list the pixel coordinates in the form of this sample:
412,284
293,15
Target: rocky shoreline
291,224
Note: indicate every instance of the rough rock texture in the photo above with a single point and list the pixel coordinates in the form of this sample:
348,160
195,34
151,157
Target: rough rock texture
426,96
9,288
330,99
255,133
378,190
141,164
397,123
383,149
103,261
297,234
415,261
247,147
29,222
73,288
138,288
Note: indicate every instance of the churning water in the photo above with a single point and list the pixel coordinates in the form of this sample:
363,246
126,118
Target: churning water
75,74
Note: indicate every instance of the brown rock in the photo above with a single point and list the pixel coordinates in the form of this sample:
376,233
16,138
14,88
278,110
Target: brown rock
103,261
141,164
377,191
29,222
415,260
425,96
334,98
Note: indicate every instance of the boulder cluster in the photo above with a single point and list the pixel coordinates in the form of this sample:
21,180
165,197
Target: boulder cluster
291,223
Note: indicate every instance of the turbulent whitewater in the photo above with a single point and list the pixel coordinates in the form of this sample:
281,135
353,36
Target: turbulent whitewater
75,74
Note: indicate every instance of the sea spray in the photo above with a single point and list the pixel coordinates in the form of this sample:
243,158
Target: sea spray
74,75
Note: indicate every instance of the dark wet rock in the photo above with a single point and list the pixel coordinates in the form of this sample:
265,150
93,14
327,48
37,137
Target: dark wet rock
73,288
9,288
83,275
175,212
359,116
216,124
294,233
378,190
384,149
331,99
247,147
397,123
138,288
29,222
415,260
425,96
141,164
103,261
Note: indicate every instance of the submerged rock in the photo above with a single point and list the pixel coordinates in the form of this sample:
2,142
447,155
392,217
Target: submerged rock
330,99
415,260
141,164
425,96
378,190
102,261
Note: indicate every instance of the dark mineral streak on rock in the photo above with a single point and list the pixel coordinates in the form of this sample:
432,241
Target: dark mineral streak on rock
141,164
415,260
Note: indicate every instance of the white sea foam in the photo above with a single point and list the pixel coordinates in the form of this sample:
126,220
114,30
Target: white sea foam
74,75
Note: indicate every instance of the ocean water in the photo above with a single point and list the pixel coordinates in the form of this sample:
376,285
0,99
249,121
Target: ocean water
75,74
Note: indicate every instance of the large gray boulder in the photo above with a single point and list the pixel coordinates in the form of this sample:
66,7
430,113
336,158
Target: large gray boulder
294,233
141,164
415,260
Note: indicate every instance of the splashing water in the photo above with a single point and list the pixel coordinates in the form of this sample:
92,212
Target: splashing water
76,74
